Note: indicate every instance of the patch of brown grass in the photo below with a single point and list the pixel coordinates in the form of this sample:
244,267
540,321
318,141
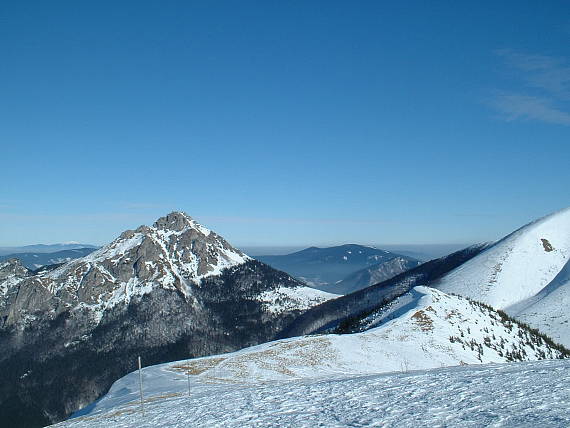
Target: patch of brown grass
196,367
423,320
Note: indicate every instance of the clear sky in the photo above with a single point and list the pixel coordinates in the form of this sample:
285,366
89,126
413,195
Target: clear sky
283,122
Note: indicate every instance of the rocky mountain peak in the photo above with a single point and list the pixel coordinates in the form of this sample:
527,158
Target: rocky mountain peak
176,253
179,221
12,268
167,290
12,272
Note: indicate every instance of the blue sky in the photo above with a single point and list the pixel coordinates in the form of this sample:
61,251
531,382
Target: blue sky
283,123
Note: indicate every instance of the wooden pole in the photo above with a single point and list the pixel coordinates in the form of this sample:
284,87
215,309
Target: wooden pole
141,385
188,375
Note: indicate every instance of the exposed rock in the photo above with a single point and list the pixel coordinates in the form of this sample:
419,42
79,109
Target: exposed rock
165,292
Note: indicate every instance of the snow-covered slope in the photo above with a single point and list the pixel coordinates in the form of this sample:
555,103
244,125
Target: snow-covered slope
549,309
175,288
517,267
174,251
12,273
528,394
423,329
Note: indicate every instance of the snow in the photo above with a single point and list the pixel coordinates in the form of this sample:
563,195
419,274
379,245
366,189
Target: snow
414,332
516,268
548,310
506,395
123,294
337,380
7,284
115,250
165,257
194,224
298,298
10,280
174,271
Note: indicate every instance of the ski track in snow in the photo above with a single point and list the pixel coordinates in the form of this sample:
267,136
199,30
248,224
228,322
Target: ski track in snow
501,395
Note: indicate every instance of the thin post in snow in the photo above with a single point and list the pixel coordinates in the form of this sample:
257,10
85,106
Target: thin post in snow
141,385
188,375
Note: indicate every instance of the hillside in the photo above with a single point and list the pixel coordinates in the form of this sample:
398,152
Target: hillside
324,268
167,291
328,315
548,310
518,266
525,273
507,395
373,275
423,329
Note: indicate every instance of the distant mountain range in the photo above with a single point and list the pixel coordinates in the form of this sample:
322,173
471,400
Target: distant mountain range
525,274
341,269
36,260
423,252
176,290
44,248
351,308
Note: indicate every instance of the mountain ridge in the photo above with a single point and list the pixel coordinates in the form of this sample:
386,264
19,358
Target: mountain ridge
329,314
525,273
424,329
325,268
166,291
44,248
34,261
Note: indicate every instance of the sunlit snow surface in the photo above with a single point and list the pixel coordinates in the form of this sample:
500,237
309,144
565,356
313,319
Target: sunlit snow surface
517,267
525,273
334,380
300,298
515,395
548,310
